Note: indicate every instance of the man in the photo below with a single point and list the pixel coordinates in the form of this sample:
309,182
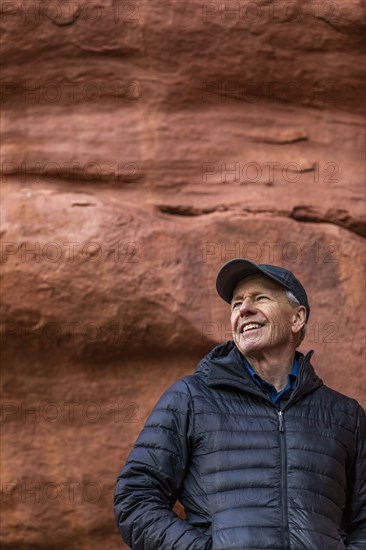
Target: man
259,451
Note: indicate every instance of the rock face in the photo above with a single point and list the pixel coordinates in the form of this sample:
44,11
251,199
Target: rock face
143,145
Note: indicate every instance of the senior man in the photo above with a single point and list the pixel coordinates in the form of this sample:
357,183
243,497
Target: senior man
259,451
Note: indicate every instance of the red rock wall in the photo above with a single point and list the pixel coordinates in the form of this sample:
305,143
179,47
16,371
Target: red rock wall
144,144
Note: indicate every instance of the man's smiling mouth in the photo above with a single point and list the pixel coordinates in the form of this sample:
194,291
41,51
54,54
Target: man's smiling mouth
250,326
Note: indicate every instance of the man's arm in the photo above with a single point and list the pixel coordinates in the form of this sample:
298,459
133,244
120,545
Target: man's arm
152,479
356,507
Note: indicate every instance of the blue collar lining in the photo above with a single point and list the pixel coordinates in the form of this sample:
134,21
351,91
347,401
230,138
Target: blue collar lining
273,393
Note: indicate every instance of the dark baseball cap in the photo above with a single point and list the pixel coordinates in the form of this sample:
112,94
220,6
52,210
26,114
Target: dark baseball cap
234,271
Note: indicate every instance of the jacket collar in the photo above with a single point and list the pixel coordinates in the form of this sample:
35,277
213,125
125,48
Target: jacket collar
224,366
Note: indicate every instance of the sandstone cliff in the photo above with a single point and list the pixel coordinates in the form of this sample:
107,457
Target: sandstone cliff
145,143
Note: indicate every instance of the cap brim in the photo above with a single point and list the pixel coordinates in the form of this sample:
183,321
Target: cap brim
233,272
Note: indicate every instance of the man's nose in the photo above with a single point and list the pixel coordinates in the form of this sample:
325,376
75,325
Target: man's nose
247,307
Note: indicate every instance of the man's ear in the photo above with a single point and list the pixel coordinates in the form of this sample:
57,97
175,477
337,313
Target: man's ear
298,319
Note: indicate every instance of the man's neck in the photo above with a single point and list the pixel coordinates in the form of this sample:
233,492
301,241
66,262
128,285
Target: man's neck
274,370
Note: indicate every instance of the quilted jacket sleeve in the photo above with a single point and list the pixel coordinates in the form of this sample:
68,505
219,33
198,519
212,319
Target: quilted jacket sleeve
356,509
152,478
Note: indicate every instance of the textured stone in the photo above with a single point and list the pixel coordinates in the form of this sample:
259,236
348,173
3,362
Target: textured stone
143,145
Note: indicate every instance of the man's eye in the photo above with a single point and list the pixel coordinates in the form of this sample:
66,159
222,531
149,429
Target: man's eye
262,297
235,305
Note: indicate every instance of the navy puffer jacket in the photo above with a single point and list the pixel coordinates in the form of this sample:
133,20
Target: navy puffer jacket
250,477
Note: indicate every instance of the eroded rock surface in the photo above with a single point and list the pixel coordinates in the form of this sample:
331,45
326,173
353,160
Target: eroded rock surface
143,145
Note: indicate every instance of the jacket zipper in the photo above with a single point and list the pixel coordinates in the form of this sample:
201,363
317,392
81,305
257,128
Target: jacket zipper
280,418
283,452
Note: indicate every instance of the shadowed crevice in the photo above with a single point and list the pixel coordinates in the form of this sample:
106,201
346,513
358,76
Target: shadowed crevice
305,213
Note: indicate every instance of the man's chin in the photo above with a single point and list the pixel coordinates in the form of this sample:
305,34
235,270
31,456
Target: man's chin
247,344
250,338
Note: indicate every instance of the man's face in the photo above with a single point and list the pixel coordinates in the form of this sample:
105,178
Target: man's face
262,320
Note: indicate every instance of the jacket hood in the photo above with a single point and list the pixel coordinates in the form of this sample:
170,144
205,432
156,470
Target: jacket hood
222,350
224,365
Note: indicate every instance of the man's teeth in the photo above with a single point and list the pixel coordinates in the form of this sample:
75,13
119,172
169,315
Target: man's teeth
250,326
